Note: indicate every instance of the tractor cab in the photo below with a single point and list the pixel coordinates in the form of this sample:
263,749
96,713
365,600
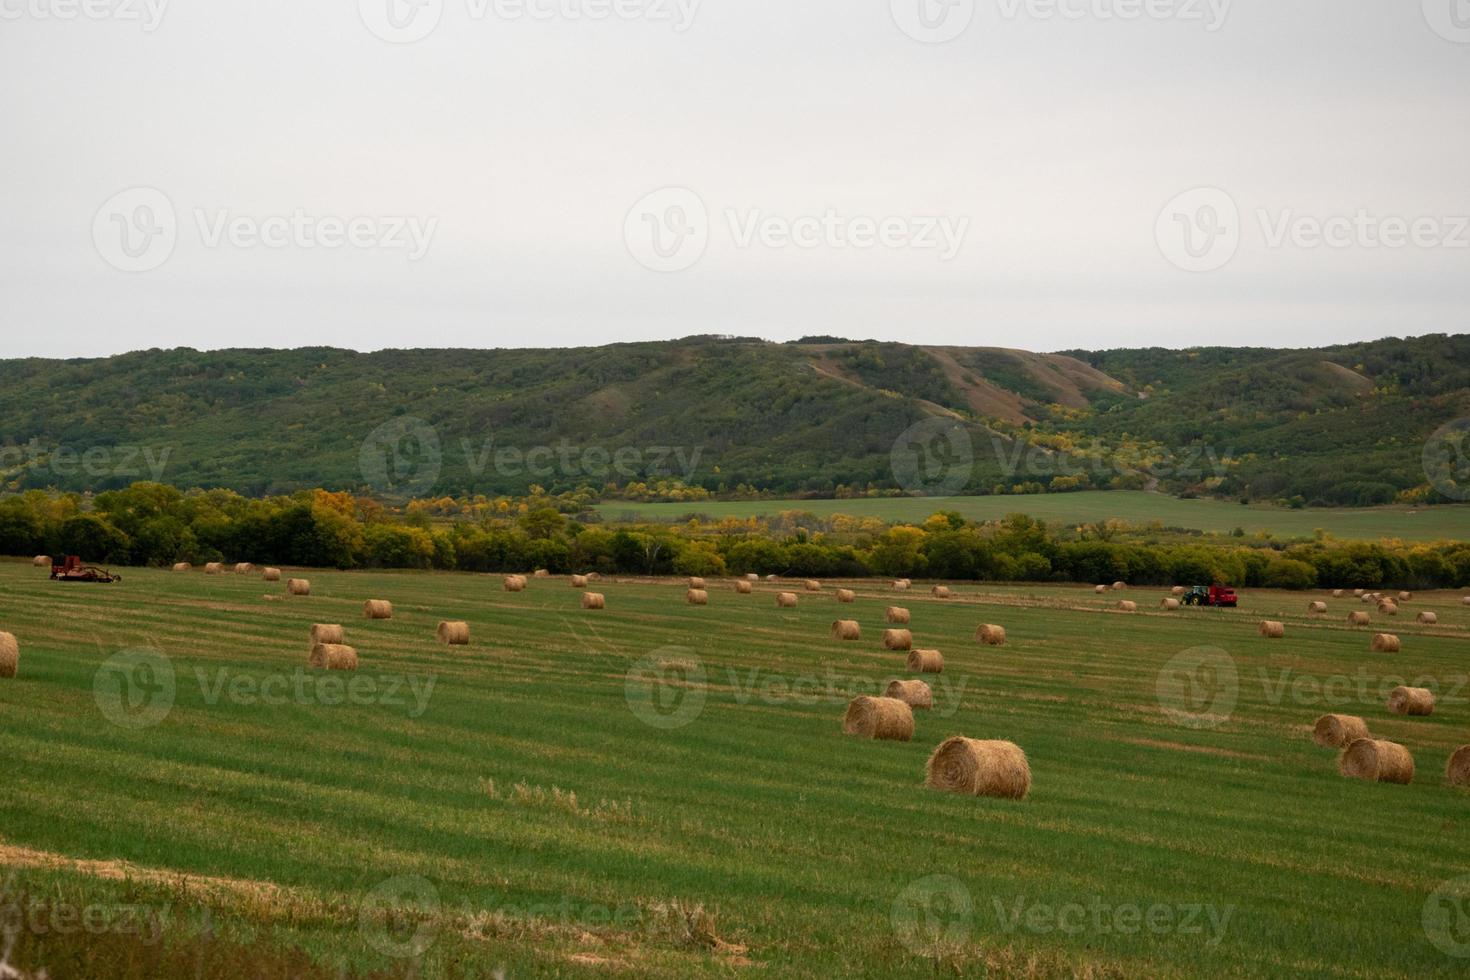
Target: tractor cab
1212,595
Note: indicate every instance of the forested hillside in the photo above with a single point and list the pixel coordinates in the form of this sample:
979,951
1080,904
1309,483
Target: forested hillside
1341,425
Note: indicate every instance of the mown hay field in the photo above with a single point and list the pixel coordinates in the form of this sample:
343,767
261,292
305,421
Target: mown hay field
661,789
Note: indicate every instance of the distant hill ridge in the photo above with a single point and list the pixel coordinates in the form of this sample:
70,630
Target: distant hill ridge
1338,425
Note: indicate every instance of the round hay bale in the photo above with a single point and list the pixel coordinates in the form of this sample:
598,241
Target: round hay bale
744,588
925,662
333,656
941,592
271,575
975,768
453,634
1427,619
594,577
897,615
1272,630
903,585
1101,590
812,585
580,581
1119,586
183,566
1339,731
1416,702
1388,608
41,561
541,573
697,597
1178,590
846,595
1376,761
887,719
1406,597
1169,604
1386,643
1465,601
594,600
1369,598
1125,606
214,568
695,582
916,694
328,633
1359,592
991,635
846,629
898,640
377,609
1359,618
244,568
752,577
773,578
1316,608
1338,593
299,586
1457,770
514,583
786,600
9,655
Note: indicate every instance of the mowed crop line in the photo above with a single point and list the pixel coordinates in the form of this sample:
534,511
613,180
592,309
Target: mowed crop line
760,806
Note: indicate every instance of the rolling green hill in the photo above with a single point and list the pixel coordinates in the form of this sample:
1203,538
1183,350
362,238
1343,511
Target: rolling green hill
1338,426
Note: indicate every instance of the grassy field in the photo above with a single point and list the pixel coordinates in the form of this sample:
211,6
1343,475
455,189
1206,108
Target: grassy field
1136,507
721,822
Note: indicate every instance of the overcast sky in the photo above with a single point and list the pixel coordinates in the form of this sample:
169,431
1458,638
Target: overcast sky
979,172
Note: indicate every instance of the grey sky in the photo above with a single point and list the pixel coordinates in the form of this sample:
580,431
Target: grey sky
517,146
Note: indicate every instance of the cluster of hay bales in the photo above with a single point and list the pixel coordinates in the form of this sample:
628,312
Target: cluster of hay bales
979,768
887,719
1272,630
925,662
1377,761
299,587
898,640
846,629
1416,702
377,609
697,597
846,595
454,634
9,655
941,592
786,600
514,583
897,616
1386,643
743,587
594,600
991,635
916,694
